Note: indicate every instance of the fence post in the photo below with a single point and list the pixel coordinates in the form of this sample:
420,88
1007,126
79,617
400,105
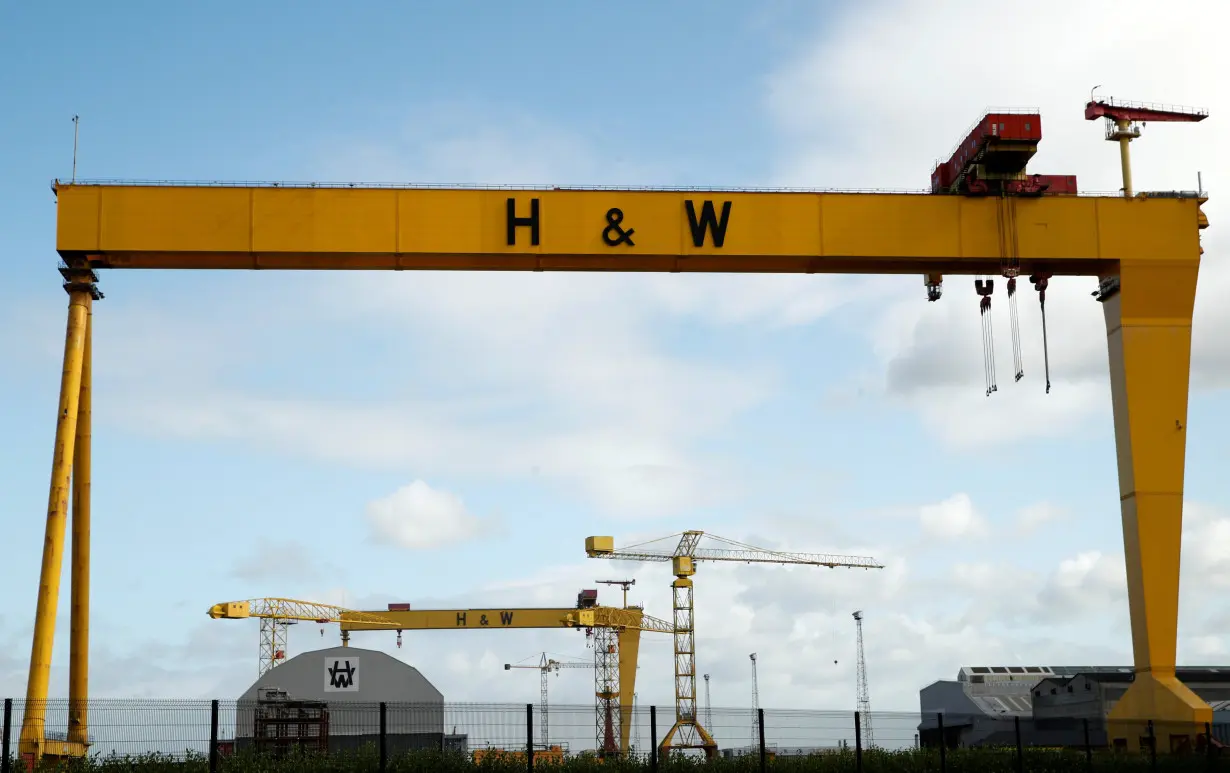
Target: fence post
653,739
1152,748
858,742
6,762
529,737
760,722
1208,744
1088,746
384,734
213,736
1020,759
943,742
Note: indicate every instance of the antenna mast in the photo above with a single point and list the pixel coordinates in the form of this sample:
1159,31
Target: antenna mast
76,125
864,697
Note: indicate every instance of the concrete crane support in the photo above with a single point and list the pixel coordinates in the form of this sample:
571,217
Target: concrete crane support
1144,248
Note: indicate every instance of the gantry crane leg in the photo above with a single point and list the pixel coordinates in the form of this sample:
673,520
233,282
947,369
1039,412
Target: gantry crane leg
1148,326
79,614
628,641
80,283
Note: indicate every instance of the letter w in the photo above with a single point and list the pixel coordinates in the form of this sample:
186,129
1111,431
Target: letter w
506,618
708,222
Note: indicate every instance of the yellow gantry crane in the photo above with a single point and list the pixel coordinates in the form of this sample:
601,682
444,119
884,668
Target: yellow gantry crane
275,614
546,666
616,636
691,734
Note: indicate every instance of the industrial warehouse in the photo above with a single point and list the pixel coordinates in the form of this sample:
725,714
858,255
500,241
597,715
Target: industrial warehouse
330,699
1058,706
395,516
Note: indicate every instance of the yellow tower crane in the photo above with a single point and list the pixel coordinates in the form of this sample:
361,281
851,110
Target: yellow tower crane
691,734
546,666
276,614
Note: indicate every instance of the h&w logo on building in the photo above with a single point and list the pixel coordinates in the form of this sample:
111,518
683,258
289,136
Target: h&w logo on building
341,674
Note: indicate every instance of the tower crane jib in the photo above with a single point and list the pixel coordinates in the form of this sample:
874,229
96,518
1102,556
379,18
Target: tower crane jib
688,732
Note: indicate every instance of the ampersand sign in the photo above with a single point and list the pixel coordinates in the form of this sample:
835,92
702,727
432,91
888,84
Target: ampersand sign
614,234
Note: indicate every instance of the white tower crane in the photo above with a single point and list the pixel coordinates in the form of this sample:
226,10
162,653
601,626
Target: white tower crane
545,666
755,702
864,697
708,706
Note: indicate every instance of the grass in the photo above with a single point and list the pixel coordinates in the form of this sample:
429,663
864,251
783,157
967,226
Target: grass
907,761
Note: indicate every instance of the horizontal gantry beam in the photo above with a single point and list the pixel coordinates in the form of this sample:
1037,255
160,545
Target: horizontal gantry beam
464,619
463,229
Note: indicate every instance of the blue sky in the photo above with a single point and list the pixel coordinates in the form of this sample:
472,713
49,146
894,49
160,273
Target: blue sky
245,423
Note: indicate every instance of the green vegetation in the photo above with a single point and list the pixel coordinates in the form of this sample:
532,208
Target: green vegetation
908,761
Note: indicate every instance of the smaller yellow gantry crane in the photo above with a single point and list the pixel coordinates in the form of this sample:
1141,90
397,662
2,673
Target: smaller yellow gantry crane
687,732
546,666
277,614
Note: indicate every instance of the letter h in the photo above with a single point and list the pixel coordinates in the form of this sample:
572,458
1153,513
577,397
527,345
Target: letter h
515,222
461,618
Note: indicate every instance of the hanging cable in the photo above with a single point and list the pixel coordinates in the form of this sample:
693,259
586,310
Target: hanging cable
984,288
1014,321
1040,282
986,362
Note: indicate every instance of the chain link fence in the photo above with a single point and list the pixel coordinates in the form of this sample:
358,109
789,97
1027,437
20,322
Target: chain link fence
307,735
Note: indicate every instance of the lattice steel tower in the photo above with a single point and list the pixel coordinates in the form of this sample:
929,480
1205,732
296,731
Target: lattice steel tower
864,698
755,702
606,683
708,706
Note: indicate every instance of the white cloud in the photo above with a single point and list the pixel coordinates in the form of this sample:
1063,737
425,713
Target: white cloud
924,618
1032,517
283,560
576,383
885,122
418,517
953,518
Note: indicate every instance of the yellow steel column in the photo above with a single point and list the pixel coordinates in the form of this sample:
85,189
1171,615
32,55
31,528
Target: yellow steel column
629,640
1125,159
79,630
31,743
1148,326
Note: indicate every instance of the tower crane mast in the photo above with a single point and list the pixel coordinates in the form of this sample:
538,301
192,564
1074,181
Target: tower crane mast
687,732
864,697
755,700
546,666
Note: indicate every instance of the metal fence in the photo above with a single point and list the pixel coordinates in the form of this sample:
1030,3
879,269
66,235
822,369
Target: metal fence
220,735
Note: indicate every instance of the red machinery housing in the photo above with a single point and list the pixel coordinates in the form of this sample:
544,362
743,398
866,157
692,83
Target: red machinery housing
587,598
992,157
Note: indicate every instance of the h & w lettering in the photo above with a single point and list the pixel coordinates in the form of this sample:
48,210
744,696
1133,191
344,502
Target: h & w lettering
708,221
